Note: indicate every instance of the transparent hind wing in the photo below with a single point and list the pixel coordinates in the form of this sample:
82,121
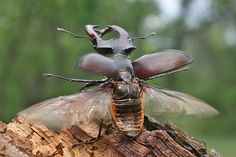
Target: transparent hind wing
166,102
86,109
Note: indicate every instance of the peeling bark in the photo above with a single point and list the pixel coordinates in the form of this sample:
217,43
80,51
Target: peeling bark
21,138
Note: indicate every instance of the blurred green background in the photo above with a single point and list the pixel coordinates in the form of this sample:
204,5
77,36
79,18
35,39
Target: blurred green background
205,29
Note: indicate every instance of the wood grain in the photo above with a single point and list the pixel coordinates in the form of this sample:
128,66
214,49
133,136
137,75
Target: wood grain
21,138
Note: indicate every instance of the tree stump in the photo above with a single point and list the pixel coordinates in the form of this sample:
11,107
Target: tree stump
21,138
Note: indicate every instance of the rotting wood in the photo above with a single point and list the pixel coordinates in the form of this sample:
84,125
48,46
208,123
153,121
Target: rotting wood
20,138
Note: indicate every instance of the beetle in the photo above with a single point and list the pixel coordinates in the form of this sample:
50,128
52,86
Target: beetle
124,96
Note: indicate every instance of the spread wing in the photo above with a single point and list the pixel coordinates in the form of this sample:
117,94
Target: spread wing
86,109
162,101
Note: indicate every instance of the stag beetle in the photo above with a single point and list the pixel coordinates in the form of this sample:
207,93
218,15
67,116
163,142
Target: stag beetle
125,96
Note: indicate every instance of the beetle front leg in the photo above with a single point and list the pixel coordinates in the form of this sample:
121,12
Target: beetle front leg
75,79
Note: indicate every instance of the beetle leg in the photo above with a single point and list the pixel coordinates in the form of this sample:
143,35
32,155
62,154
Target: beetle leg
152,124
91,141
75,79
87,85
167,73
109,129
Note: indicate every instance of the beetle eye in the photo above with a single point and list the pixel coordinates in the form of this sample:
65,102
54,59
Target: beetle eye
105,51
129,50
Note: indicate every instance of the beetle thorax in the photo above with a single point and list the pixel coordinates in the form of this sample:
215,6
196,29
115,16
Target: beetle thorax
125,67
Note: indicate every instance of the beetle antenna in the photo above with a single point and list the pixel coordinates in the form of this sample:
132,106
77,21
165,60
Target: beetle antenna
68,32
147,36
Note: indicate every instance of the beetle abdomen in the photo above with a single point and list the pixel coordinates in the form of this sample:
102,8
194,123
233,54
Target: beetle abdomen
128,116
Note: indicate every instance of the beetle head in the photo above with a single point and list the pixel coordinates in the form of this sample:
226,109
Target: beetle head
121,45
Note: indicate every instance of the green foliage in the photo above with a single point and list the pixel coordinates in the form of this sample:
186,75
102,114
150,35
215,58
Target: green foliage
31,46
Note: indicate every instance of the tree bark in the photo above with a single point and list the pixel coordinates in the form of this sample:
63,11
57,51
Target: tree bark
21,138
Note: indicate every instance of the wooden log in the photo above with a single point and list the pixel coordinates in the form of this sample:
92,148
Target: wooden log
21,138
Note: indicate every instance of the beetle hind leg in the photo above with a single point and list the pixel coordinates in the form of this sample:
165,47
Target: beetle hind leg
93,140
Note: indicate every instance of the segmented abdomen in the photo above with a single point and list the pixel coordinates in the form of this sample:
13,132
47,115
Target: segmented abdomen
128,116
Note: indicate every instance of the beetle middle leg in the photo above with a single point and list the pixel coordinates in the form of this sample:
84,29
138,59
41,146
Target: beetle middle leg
87,85
76,80
90,84
96,82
